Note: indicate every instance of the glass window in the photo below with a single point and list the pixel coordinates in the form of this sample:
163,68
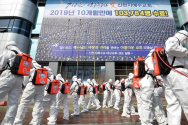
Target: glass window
34,1
120,72
11,23
176,20
18,26
24,24
17,23
29,25
123,72
16,30
2,30
4,23
84,72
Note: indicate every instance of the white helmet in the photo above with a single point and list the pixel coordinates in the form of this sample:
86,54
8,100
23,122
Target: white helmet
74,78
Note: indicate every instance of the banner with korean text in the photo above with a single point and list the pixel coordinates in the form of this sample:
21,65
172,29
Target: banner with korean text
105,30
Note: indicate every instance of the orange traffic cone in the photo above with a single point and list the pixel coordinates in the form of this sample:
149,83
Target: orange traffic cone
4,103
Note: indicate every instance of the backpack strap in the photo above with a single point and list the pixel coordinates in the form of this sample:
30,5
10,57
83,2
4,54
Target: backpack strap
77,83
91,85
49,79
61,81
8,65
14,51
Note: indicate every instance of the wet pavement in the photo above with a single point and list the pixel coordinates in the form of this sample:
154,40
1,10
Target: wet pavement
91,117
104,116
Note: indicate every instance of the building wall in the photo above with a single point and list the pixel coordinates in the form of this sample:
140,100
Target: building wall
17,19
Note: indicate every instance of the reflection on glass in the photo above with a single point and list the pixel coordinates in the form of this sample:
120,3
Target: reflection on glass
84,72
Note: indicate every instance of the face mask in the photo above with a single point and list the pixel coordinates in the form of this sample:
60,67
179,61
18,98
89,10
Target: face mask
183,42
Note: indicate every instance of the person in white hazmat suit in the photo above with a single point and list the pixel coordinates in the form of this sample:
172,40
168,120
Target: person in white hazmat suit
157,98
138,99
176,84
147,88
30,92
48,100
128,101
112,96
107,95
117,93
10,84
122,83
74,90
81,100
60,99
96,94
92,96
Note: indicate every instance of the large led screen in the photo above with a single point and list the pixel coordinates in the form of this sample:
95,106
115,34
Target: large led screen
103,30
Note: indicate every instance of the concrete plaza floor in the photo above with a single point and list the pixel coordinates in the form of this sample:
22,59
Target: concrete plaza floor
102,116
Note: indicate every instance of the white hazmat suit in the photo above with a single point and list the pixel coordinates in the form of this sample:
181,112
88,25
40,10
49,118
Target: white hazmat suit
10,84
81,100
74,89
112,96
176,92
60,99
128,101
92,96
49,100
96,94
157,99
147,88
107,95
117,93
30,92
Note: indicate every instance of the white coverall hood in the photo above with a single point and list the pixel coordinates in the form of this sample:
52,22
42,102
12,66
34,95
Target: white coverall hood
88,80
117,82
150,53
79,80
131,75
93,80
182,35
74,78
11,45
59,77
110,80
49,71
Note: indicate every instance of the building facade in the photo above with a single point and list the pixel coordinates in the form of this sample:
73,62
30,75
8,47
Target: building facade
21,21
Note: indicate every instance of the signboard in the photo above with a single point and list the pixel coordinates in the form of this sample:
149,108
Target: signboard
103,30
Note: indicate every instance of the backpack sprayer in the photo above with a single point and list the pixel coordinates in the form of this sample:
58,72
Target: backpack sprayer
161,64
